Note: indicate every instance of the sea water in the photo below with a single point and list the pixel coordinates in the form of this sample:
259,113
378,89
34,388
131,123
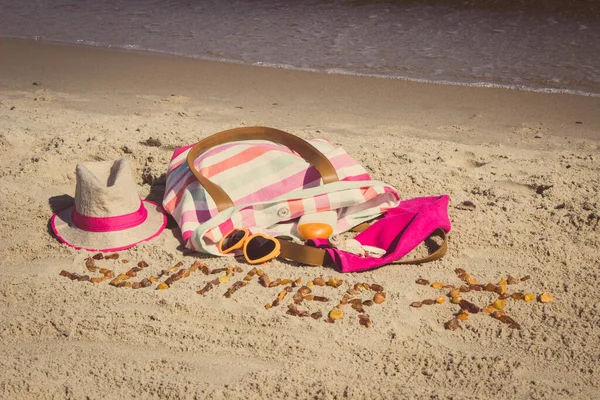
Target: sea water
542,45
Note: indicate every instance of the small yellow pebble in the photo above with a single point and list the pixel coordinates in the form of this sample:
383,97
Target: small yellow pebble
223,279
463,316
502,282
456,300
545,297
499,304
336,314
529,297
471,280
162,286
437,285
440,300
488,309
454,293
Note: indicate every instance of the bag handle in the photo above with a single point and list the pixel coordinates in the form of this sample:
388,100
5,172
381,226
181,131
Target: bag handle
316,256
306,150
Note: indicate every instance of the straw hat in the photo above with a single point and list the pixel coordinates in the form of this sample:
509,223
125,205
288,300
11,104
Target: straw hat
107,214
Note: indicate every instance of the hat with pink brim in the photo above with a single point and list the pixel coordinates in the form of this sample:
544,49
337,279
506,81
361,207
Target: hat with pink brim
107,214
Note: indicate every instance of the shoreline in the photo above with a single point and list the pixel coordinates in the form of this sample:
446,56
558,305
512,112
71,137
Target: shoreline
521,169
69,68
334,71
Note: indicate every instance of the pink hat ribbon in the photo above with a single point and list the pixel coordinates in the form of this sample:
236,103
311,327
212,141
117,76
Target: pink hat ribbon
108,224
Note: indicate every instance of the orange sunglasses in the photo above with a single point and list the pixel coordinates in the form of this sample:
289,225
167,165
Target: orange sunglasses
257,248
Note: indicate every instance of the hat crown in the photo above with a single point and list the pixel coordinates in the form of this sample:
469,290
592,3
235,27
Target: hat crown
105,189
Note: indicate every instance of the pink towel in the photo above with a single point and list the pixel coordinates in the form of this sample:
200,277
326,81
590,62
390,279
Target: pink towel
399,231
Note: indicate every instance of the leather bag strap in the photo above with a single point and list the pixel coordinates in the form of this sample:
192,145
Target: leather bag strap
316,256
306,150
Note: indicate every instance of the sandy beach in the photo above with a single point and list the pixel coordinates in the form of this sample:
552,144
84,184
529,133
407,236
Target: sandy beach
522,170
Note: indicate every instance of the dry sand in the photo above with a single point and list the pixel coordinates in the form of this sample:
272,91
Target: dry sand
529,163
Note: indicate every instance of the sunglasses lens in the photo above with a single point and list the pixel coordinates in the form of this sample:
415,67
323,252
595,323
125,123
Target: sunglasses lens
232,239
259,247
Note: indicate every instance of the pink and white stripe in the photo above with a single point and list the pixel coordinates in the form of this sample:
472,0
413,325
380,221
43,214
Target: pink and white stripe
271,187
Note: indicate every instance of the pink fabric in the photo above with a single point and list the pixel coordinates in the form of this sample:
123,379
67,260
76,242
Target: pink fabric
109,224
180,150
400,230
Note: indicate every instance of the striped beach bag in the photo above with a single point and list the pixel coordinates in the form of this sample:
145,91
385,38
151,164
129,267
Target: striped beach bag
264,179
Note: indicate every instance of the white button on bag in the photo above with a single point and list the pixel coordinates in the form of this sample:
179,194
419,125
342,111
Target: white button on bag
283,212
